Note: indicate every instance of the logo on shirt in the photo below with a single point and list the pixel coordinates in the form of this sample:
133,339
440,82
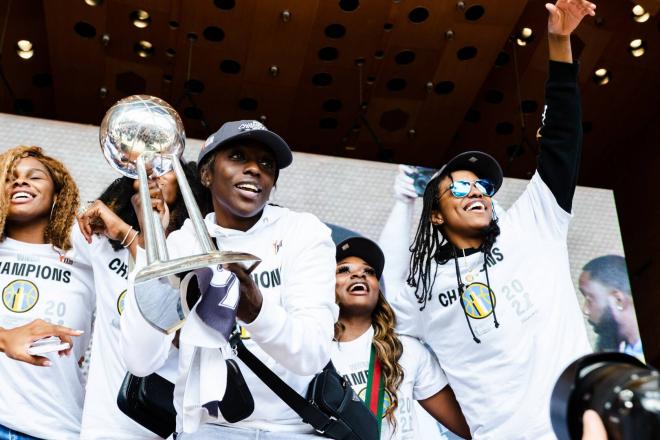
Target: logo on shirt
19,296
120,302
387,399
277,244
478,300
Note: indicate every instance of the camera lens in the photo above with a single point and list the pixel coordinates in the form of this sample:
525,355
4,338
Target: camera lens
623,391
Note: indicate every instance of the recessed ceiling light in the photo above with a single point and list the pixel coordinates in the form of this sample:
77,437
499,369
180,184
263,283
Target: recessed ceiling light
637,47
601,76
140,18
24,49
144,49
639,14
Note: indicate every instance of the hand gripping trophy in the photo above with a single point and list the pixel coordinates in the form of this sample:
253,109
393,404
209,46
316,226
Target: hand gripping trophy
143,130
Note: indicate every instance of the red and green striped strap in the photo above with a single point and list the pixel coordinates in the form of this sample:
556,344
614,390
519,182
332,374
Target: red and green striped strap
375,393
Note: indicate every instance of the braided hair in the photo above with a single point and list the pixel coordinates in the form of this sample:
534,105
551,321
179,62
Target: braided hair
430,238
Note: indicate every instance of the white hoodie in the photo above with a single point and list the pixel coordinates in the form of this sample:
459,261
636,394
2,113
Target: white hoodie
291,334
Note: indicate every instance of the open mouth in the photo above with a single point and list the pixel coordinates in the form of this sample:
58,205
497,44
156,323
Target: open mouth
21,196
358,288
476,205
249,187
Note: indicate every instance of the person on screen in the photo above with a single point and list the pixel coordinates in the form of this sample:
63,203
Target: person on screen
493,296
608,305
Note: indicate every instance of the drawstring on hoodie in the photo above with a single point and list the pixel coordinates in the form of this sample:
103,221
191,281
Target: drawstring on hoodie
461,289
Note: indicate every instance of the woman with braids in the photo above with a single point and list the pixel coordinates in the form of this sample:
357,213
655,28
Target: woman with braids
44,288
493,297
115,216
366,343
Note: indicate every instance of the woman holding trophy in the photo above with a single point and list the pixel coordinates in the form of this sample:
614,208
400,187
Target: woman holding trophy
286,307
45,287
110,258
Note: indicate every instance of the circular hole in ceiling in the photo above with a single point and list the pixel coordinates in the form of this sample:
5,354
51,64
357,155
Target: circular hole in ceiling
130,83
335,30
379,54
502,59
173,24
504,128
371,79
328,123
332,105
388,27
444,87
194,86
42,80
494,96
472,116
225,5
230,67
418,15
248,104
396,84
393,120
328,53
84,29
466,53
192,113
214,33
474,12
349,5
167,78
529,106
170,52
322,79
405,57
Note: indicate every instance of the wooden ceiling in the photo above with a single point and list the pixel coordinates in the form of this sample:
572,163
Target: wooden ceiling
391,80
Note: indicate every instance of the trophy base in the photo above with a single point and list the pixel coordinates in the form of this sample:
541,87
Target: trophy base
157,290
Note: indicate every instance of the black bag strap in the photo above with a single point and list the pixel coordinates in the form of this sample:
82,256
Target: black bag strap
322,423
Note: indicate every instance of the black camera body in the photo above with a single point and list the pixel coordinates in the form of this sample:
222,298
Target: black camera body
622,390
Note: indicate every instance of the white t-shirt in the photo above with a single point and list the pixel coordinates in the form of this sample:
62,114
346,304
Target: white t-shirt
102,419
422,378
292,333
39,282
504,383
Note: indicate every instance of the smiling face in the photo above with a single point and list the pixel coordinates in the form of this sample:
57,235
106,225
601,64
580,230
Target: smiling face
31,191
241,180
356,287
464,217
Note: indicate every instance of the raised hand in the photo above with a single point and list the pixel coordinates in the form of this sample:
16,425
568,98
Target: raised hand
97,218
566,15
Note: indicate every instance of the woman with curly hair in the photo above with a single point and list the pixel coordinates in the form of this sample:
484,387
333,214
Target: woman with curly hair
115,215
388,371
44,288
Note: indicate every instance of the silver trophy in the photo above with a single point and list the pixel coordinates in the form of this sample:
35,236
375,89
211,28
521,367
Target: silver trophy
143,130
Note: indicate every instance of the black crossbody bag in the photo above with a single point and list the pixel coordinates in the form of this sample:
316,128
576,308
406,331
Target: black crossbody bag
331,407
149,400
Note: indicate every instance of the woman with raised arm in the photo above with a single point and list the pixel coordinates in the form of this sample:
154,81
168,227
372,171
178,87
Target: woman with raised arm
492,297
44,288
109,255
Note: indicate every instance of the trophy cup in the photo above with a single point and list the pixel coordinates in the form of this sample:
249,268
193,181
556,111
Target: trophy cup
140,130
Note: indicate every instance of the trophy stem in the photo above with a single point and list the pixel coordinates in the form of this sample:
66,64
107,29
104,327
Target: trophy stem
193,210
151,220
